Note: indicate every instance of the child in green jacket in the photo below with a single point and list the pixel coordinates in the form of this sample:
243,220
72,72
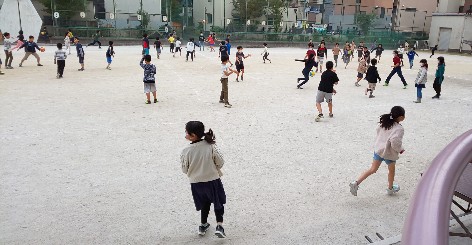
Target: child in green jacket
439,78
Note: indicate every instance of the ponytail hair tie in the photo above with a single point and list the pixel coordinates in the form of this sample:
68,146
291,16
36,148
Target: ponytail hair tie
391,117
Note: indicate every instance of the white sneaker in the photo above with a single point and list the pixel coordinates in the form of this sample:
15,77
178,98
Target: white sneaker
395,189
354,187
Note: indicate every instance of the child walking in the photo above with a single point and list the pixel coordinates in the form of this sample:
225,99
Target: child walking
202,162
439,77
240,63
67,42
372,76
80,53
361,69
421,80
387,147
158,47
225,72
110,53
265,54
411,56
145,44
309,64
178,48
190,48
326,90
7,43
60,57
149,79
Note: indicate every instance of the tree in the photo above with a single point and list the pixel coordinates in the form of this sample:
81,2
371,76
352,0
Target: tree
175,8
145,18
275,11
365,21
253,12
66,8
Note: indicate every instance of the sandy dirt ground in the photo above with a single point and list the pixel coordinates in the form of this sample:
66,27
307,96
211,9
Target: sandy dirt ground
85,161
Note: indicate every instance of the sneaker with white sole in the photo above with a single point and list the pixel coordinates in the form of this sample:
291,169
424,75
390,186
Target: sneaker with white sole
354,187
203,228
220,231
395,189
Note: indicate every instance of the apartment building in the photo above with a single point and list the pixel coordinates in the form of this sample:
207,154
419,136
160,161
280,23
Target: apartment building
451,25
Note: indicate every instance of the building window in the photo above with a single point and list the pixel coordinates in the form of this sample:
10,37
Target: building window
382,12
209,18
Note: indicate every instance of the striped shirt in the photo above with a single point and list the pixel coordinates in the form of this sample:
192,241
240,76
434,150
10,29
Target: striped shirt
60,55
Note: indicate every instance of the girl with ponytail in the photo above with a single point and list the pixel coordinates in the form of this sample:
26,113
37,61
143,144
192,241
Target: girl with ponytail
202,163
387,147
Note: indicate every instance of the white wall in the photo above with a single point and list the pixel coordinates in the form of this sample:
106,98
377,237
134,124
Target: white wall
449,6
456,22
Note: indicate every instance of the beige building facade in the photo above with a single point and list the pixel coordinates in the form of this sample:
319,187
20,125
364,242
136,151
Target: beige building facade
451,26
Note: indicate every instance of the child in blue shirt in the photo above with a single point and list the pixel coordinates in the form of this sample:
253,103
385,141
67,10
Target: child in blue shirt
411,56
228,46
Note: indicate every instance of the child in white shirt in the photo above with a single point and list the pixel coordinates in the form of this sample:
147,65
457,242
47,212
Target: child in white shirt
177,46
190,48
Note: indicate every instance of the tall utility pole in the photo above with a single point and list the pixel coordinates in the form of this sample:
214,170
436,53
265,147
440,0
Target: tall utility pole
246,16
224,15
141,12
213,14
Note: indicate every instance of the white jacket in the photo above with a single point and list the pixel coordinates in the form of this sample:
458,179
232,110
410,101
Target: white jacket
388,143
422,76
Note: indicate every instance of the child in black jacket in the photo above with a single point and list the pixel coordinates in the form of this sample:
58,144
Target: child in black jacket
372,76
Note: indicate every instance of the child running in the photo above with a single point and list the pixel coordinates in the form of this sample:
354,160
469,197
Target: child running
224,52
309,64
439,77
378,52
202,162
265,54
190,48
322,53
158,47
178,47
240,63
336,51
397,69
171,40
80,53
411,56
326,90
387,147
7,43
346,54
211,42
361,69
149,79
433,50
372,76
225,72
21,40
421,80
110,53
60,57
96,36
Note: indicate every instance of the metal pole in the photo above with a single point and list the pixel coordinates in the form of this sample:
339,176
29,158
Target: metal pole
213,14
224,15
246,16
19,13
462,34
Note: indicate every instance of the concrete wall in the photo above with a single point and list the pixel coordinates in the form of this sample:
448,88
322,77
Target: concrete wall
220,9
459,28
449,6
126,13
416,21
